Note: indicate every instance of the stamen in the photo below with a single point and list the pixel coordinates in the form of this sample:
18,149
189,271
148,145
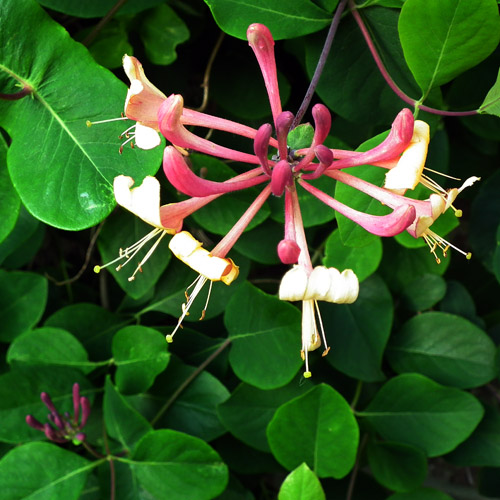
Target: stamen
435,241
200,283
323,336
147,256
89,123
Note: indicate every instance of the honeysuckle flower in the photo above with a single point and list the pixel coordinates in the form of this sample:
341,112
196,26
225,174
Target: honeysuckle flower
64,428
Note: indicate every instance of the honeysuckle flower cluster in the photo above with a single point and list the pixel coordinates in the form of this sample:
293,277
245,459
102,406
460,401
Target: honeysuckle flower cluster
278,171
62,429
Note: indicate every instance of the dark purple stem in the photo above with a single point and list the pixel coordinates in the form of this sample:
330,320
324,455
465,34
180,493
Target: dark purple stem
321,64
389,80
76,403
26,90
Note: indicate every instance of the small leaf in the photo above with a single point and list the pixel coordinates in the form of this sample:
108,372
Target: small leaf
162,30
363,261
447,348
140,354
265,335
414,410
9,202
44,471
317,428
397,466
22,301
123,423
284,20
301,484
443,39
49,346
173,465
491,103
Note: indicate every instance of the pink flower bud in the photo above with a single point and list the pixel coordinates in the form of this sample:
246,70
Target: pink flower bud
281,177
261,145
288,251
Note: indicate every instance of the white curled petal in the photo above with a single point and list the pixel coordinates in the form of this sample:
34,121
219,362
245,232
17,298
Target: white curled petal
293,284
183,245
211,267
351,286
310,337
143,200
146,137
335,290
318,284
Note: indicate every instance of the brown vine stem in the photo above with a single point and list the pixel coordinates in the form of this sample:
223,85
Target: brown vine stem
354,475
105,20
208,70
188,380
387,77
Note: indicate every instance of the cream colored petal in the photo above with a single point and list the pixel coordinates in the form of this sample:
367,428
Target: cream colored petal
146,137
293,284
318,284
351,286
335,290
310,337
143,200
183,244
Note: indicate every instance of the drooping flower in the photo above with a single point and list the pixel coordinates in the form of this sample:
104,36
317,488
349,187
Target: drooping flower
62,429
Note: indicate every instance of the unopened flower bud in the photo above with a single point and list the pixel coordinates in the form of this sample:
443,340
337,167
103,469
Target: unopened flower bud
281,177
288,251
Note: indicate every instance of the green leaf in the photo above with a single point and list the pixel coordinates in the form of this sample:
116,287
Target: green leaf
458,301
317,428
414,410
43,471
424,292
20,391
49,346
360,331
123,423
421,493
301,136
169,464
363,261
397,466
443,39
9,202
248,411
260,244
496,257
22,301
491,103
221,215
446,348
265,335
140,354
483,447
96,8
288,20
65,176
301,484
92,325
162,30
121,230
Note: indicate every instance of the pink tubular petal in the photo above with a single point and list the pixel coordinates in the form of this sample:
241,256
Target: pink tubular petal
261,146
169,119
262,43
385,225
283,122
183,178
281,177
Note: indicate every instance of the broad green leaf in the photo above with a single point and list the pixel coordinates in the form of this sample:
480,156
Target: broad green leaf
483,447
491,103
140,354
317,428
162,30
173,465
397,466
43,471
96,8
23,242
301,484
412,409
23,297
194,410
288,20
443,39
458,301
92,325
65,176
220,215
424,292
20,391
9,202
236,491
260,244
358,332
49,346
421,493
363,261
265,335
123,423
171,288
248,411
447,348
121,230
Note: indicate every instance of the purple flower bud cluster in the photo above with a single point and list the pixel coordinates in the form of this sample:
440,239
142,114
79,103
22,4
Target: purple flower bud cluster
61,429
